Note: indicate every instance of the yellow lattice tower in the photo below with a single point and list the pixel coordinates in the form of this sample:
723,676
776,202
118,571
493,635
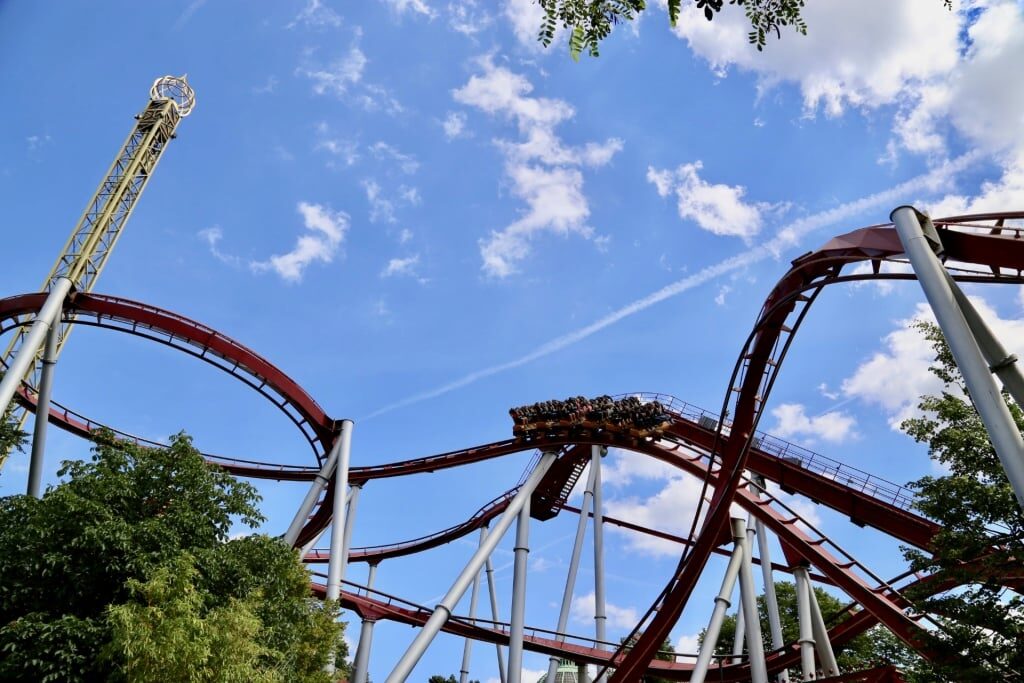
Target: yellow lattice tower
88,248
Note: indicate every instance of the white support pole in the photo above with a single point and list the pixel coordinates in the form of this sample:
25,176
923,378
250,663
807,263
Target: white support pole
574,565
495,614
582,674
316,539
748,598
985,394
770,598
25,358
335,563
443,610
740,633
362,660
312,495
1001,362
707,646
600,618
806,633
518,620
822,644
467,648
350,522
49,359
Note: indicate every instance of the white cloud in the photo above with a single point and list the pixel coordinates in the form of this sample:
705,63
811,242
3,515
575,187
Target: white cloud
723,291
465,17
582,611
212,237
405,236
316,15
37,141
863,54
688,644
401,7
525,17
454,125
671,510
382,208
328,228
347,151
792,421
407,163
343,78
717,208
542,171
401,266
621,468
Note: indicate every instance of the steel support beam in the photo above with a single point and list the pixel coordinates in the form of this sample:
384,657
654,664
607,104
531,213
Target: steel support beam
336,563
49,360
443,610
495,614
985,394
748,598
822,644
350,522
312,495
600,618
362,661
467,648
770,598
25,358
732,570
518,619
574,565
806,632
316,538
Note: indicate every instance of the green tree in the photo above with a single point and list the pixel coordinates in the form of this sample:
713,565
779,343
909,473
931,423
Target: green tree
877,646
591,21
441,679
130,556
982,534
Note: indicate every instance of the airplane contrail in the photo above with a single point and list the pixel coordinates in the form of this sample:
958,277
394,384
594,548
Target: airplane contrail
787,236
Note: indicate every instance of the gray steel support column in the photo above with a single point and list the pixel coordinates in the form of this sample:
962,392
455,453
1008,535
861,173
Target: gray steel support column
748,598
49,359
362,661
495,614
732,570
574,565
740,634
313,541
822,644
25,358
582,675
518,619
768,578
350,522
335,563
600,618
1001,362
312,495
444,609
985,394
467,649
806,635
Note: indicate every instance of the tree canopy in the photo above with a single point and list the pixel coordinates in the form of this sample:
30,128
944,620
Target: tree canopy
591,21
125,572
982,534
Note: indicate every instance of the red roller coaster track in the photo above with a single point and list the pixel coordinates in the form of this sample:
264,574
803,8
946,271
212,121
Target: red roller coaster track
696,441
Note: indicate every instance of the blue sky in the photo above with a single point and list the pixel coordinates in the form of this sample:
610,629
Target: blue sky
425,219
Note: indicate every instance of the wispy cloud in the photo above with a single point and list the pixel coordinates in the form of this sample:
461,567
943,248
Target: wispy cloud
786,237
212,237
327,228
407,163
401,266
316,15
187,13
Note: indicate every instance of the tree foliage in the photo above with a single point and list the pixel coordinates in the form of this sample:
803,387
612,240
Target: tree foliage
982,534
125,572
877,646
591,21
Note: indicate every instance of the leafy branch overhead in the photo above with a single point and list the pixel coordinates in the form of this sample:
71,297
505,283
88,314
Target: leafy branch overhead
591,21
